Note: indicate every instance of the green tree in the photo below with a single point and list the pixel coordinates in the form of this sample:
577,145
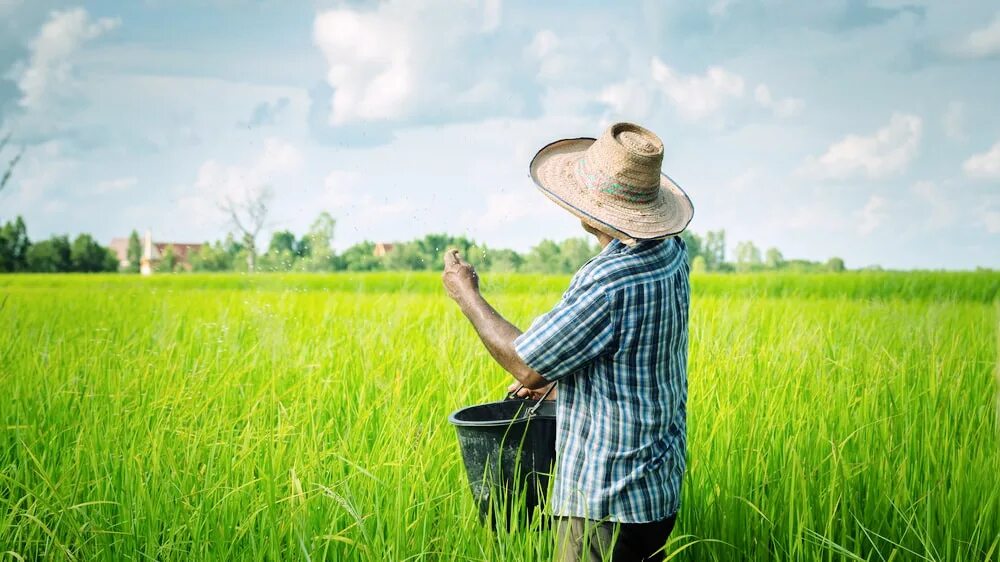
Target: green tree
280,261
747,257
233,246
698,265
505,261
431,248
773,259
212,257
714,249
360,257
693,243
168,261
248,215
320,243
574,252
480,256
836,265
303,248
50,256
426,253
14,244
87,256
236,252
282,241
543,258
280,255
134,252
406,256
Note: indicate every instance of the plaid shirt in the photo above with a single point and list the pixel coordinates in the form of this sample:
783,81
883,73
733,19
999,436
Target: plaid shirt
617,344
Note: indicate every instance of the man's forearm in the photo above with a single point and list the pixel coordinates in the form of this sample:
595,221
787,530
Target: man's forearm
498,336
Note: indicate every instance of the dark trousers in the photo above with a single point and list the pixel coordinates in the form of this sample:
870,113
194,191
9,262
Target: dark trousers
585,540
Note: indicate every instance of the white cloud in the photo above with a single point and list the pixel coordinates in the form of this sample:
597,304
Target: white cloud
747,179
872,215
543,43
953,121
278,158
39,174
811,217
784,107
369,211
628,99
567,101
581,59
991,221
49,65
720,8
398,60
216,181
491,14
116,185
985,165
344,193
7,6
943,211
442,178
983,42
339,187
697,96
371,67
885,153
504,209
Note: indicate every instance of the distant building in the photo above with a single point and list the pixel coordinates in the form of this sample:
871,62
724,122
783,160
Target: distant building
382,248
120,247
152,253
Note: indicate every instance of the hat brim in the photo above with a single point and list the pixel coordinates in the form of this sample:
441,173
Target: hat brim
552,170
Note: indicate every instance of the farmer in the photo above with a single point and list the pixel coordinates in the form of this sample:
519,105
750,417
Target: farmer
616,343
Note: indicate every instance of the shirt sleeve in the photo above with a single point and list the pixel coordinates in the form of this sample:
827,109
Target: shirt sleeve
569,336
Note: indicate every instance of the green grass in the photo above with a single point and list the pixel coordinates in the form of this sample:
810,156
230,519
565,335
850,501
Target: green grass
982,286
304,417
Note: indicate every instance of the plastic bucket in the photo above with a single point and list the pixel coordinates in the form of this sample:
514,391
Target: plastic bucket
508,449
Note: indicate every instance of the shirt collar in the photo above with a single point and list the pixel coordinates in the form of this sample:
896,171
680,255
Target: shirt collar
614,247
618,247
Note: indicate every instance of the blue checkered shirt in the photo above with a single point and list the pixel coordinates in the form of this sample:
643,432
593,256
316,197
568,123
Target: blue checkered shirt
617,344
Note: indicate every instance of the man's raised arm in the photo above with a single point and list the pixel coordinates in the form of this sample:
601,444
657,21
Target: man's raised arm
498,335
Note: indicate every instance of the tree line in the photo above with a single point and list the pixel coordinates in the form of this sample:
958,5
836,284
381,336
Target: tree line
313,251
708,253
55,255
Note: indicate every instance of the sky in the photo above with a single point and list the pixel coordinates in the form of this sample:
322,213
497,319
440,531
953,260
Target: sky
860,129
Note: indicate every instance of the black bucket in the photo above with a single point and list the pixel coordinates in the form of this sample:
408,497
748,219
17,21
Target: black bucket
508,449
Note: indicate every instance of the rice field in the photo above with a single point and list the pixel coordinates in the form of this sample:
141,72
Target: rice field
304,417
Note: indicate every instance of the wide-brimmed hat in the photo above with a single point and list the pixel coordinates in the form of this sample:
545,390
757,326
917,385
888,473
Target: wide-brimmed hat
614,183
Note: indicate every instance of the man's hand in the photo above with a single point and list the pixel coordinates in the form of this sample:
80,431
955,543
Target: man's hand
459,277
533,394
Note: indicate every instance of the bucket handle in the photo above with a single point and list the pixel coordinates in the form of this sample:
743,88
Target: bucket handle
531,411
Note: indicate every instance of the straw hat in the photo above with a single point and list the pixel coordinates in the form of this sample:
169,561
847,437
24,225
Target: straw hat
614,183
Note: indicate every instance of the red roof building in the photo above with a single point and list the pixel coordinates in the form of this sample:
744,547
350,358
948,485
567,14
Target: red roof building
382,248
153,252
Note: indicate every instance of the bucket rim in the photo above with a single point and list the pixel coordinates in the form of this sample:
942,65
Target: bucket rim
496,423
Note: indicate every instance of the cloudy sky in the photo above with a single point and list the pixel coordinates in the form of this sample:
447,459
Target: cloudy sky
863,129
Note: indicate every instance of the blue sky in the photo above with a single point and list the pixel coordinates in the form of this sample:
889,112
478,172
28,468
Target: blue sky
866,130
